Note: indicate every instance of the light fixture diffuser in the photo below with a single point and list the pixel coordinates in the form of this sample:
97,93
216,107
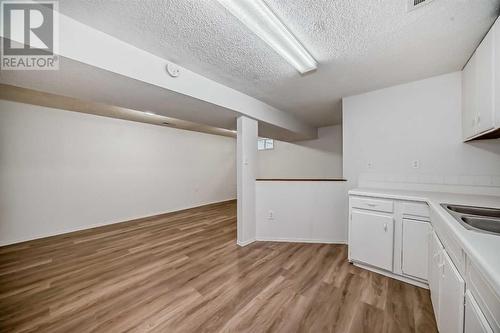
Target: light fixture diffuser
259,18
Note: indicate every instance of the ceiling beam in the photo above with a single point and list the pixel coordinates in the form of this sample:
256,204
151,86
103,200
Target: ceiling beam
95,48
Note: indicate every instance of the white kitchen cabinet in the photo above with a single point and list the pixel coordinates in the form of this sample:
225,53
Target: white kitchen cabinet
447,288
448,263
484,85
378,239
435,264
379,205
469,99
451,298
415,248
481,89
483,295
475,321
371,238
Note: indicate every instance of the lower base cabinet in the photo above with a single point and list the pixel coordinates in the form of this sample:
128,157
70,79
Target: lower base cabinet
447,289
397,237
371,240
390,236
415,247
451,298
435,253
475,322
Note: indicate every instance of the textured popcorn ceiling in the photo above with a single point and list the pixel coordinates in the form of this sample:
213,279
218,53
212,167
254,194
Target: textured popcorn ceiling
361,45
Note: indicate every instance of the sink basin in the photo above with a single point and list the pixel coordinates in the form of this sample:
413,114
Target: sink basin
485,224
479,211
481,219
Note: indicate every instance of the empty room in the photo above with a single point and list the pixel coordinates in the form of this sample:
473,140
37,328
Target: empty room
250,166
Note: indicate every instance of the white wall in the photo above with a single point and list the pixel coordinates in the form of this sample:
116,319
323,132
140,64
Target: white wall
390,128
302,211
62,171
320,158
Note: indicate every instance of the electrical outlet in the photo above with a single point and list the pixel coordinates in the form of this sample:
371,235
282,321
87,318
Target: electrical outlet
270,215
370,165
415,164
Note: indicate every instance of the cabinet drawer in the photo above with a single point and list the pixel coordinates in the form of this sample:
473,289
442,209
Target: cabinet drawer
451,245
455,251
379,205
419,209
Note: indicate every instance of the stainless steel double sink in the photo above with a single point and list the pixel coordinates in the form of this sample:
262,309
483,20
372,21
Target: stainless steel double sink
480,219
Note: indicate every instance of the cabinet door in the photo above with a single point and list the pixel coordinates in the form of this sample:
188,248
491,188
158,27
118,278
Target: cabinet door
371,238
435,265
451,298
475,322
484,85
415,248
469,98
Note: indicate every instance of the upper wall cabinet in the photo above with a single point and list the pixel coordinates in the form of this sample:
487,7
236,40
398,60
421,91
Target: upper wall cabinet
481,89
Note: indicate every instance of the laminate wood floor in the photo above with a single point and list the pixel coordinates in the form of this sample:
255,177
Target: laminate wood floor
183,272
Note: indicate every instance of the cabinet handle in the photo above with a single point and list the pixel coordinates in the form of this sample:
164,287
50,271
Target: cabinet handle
372,205
385,227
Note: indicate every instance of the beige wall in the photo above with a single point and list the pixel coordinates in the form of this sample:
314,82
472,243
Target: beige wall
321,158
62,171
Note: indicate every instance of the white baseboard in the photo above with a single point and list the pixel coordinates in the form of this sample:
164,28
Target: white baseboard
392,275
301,240
60,232
245,243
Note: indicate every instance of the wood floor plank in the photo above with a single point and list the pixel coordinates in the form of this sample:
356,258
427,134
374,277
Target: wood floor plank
183,272
367,319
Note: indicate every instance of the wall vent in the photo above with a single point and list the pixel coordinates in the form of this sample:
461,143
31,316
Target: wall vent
415,4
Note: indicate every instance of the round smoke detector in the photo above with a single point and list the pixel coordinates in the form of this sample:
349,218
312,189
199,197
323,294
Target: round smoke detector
173,70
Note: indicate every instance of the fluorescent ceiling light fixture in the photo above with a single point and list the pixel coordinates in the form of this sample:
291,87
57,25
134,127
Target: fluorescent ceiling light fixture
259,18
150,113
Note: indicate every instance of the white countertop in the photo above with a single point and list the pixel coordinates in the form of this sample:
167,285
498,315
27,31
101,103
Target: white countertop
483,249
